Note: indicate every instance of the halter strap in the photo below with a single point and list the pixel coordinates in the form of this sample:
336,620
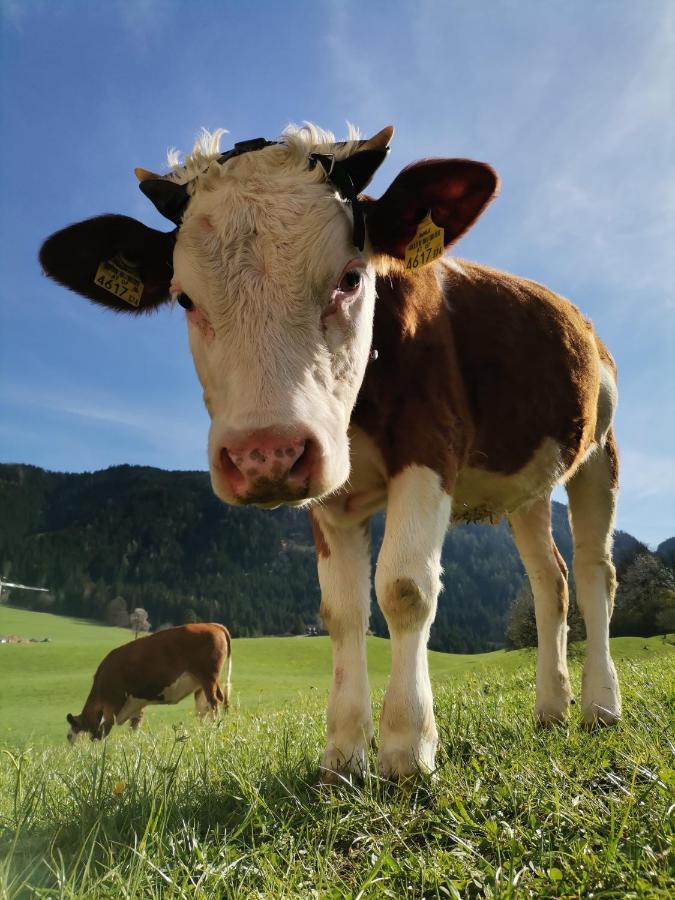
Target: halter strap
171,198
340,178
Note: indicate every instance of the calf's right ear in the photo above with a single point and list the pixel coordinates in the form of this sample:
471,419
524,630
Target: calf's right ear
70,719
453,191
113,260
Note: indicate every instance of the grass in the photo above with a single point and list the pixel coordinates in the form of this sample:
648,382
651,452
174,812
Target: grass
234,809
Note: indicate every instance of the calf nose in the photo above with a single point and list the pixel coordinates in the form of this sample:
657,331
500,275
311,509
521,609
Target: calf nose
267,464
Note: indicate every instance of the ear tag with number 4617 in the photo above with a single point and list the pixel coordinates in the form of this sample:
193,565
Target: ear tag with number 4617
426,246
114,278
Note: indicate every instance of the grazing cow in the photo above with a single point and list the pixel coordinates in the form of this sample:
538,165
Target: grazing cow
162,668
347,366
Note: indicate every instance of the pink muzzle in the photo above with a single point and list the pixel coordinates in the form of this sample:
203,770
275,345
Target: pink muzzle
266,466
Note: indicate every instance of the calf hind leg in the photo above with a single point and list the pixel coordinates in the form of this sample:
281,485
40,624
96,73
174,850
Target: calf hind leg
546,569
135,721
208,699
592,501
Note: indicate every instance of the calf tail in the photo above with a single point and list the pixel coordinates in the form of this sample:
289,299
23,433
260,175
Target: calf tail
225,699
227,687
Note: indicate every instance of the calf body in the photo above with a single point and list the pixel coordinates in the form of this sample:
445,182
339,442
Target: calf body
484,392
162,668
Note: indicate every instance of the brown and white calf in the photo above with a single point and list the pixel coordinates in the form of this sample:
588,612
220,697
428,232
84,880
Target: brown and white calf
162,668
340,376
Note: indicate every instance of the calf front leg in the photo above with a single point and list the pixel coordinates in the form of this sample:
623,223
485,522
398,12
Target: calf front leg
343,555
407,582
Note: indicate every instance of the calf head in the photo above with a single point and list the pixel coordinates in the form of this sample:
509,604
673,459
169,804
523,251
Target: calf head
79,725
278,282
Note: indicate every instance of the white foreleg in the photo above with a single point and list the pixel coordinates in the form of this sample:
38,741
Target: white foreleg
343,555
407,583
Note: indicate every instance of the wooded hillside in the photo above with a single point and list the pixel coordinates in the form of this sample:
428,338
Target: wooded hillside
162,541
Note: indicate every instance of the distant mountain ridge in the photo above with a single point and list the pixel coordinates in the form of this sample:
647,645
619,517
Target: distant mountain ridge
161,540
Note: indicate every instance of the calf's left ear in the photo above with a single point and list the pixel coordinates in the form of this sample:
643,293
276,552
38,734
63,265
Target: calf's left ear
454,191
113,260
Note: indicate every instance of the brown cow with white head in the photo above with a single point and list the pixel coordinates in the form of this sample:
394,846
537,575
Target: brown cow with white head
347,368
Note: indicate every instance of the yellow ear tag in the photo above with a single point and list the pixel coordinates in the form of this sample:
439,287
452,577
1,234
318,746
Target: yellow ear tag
426,246
118,281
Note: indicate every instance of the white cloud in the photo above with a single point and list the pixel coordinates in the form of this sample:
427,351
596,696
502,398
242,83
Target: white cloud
608,207
644,475
178,436
14,12
144,19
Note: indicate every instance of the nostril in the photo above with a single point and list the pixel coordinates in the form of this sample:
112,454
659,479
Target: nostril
302,467
299,462
230,467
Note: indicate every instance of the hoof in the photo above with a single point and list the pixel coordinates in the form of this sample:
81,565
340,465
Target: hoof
337,768
333,778
600,696
554,696
398,765
600,717
550,718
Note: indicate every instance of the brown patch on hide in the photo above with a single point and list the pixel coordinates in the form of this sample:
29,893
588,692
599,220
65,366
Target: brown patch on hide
404,605
612,452
412,402
332,624
479,373
529,361
322,548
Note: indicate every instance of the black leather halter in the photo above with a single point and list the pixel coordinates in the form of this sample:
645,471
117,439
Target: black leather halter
171,199
341,180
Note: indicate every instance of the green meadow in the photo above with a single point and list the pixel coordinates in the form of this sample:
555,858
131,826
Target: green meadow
41,682
235,808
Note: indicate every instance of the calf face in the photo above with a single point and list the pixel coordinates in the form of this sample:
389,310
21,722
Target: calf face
79,726
278,290
279,323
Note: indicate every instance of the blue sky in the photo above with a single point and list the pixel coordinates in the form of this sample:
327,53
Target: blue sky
572,102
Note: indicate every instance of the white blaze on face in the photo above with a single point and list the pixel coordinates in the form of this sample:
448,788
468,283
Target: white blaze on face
282,324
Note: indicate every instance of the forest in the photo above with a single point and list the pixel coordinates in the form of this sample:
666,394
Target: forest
132,536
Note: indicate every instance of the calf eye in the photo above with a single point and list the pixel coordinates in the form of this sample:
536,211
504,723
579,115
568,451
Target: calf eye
185,301
350,281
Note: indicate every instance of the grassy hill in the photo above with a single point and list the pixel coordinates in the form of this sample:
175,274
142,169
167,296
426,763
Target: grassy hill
234,808
41,682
